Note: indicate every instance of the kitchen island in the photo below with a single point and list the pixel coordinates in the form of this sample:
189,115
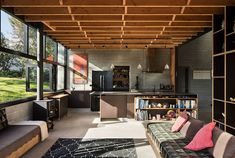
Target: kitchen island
118,104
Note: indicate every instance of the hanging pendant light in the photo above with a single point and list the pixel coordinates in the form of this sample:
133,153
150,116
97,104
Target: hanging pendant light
139,67
167,67
112,66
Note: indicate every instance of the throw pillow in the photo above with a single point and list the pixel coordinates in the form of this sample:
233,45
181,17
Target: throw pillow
203,138
191,127
180,121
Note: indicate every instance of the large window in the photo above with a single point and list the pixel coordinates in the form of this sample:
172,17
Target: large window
60,77
61,54
32,41
50,49
18,70
12,32
31,77
13,77
48,77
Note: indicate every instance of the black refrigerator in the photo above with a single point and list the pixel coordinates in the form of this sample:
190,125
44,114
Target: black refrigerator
101,81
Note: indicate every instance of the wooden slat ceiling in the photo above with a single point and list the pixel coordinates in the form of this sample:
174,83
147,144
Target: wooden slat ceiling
120,23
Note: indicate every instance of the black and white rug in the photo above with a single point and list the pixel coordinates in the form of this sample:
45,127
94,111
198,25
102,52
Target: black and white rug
83,148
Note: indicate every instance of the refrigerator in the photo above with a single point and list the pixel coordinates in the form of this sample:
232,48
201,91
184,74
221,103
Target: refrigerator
102,80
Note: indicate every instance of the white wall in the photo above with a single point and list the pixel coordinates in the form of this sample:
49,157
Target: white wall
102,60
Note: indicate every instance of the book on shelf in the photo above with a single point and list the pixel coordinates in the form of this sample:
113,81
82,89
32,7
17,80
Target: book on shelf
141,115
141,103
188,104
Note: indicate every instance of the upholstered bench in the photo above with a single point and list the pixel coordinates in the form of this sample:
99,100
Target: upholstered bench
15,140
171,145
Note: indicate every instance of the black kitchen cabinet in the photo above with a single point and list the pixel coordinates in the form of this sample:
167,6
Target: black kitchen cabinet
95,102
79,99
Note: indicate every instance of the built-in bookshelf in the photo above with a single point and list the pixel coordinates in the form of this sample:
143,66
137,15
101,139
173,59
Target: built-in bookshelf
164,107
223,70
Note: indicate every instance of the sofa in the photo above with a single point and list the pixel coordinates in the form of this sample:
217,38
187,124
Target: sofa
167,144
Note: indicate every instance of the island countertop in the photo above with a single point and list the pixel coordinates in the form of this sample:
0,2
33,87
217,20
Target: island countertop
138,93
121,104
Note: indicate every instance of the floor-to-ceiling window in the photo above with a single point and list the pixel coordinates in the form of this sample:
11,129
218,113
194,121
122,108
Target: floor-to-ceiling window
18,61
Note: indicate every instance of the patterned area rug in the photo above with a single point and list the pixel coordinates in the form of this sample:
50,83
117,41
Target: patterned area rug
76,148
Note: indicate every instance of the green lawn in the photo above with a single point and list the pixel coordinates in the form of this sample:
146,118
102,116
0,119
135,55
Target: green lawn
12,89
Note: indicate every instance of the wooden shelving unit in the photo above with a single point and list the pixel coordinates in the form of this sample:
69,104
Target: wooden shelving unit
223,70
147,107
121,78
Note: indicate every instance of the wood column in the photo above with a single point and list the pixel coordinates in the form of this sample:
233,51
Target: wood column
172,67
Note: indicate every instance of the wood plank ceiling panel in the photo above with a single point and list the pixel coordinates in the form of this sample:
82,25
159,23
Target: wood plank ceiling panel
120,23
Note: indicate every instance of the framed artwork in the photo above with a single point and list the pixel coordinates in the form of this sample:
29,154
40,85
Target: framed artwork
80,68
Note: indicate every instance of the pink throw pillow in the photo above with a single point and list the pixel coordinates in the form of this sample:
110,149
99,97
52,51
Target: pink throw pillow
179,122
203,138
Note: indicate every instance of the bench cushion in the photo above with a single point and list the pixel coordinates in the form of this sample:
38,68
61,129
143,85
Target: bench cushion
171,145
14,136
224,144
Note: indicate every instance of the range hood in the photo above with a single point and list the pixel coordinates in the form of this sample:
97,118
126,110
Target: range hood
156,59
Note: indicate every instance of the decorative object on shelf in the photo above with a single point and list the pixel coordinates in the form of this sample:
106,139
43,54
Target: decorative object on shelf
222,24
223,114
232,99
165,106
158,116
223,47
166,87
171,114
159,105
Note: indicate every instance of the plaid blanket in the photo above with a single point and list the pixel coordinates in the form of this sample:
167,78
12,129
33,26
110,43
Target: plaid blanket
171,145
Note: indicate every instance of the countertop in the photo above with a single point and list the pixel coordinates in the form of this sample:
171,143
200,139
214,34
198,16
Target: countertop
137,93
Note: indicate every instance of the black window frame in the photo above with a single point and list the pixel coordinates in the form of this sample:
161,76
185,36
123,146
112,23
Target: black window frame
26,54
